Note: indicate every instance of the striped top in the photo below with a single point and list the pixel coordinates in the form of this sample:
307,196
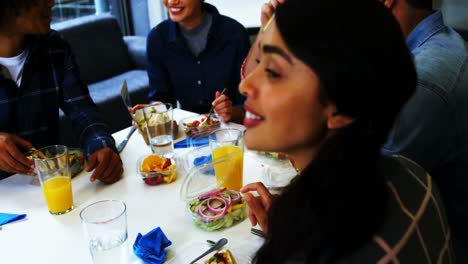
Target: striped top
416,228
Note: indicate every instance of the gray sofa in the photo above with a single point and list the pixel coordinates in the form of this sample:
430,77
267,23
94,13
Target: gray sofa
106,59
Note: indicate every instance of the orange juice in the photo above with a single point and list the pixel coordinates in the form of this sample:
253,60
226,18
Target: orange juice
58,194
229,174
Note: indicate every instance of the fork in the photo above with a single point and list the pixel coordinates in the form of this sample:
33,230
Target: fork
211,110
258,232
37,154
215,247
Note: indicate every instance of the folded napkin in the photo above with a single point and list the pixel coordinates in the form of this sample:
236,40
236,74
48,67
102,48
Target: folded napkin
191,142
8,218
150,247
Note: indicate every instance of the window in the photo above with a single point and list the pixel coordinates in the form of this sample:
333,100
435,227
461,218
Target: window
246,12
69,9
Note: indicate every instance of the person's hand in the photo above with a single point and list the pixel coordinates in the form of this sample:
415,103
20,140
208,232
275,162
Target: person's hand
108,166
258,206
132,110
268,9
222,106
12,160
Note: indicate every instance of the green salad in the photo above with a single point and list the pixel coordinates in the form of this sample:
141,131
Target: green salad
220,208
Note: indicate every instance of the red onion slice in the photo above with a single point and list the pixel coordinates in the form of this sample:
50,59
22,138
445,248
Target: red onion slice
226,197
211,194
216,204
206,215
235,196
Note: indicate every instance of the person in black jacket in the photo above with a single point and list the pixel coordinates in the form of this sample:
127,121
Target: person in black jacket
193,55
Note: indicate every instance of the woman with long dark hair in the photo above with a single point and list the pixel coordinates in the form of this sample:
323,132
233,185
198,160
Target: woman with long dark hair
331,77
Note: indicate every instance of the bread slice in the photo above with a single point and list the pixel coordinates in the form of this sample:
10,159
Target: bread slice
221,257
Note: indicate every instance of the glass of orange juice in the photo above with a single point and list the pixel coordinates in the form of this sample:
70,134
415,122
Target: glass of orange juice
227,144
53,171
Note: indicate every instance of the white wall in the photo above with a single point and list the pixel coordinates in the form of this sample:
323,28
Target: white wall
247,12
156,12
456,13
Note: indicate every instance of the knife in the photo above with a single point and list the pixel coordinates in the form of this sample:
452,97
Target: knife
124,142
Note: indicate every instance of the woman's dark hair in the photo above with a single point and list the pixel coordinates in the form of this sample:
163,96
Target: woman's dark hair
12,8
338,202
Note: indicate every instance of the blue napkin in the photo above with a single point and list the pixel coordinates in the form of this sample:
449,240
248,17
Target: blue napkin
8,218
150,247
192,142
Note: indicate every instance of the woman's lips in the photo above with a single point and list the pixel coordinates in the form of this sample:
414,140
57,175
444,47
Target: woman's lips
176,10
252,118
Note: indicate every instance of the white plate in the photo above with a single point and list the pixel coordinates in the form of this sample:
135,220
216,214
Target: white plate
242,253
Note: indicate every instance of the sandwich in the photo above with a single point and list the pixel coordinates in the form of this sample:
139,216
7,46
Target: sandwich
221,257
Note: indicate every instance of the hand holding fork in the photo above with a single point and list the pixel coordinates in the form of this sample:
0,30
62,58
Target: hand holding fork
222,106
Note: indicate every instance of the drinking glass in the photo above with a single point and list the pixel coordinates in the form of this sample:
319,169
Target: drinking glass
228,143
105,226
54,175
158,118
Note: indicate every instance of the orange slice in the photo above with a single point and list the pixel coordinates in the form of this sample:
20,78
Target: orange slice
150,162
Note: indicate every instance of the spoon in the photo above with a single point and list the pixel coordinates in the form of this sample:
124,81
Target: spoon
215,247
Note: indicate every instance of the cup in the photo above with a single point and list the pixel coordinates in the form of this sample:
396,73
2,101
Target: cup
105,226
159,126
54,176
228,143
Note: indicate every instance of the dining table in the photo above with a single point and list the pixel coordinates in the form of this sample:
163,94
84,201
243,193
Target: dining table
45,238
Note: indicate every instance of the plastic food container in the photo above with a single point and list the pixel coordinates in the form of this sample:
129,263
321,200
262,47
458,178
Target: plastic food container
276,170
274,155
154,169
158,122
76,161
210,207
195,156
195,127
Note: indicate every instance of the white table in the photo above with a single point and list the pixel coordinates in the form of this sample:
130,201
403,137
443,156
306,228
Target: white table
45,238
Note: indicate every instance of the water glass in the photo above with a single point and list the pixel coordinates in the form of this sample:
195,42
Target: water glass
228,143
105,226
159,123
54,175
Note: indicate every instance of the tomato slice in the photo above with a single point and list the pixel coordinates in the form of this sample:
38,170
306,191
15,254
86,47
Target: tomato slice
154,180
167,163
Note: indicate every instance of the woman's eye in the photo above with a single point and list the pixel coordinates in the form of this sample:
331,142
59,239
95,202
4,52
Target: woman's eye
271,73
